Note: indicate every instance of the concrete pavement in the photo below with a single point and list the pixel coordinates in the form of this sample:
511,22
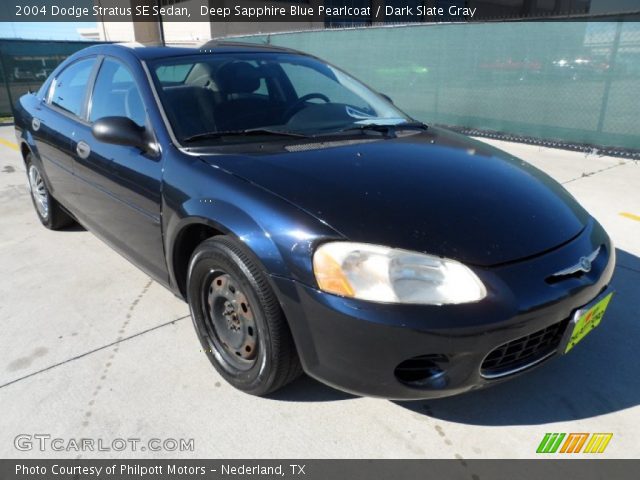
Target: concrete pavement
91,348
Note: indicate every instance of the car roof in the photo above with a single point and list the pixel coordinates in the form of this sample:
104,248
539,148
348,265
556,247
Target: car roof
152,52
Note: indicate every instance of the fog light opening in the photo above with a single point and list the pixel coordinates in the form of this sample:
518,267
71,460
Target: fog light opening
423,372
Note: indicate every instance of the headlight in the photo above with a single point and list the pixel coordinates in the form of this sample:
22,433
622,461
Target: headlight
381,274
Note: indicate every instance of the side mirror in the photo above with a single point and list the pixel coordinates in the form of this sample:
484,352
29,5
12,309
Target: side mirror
121,131
386,97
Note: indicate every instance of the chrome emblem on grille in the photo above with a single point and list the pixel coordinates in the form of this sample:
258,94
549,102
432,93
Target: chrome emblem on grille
583,265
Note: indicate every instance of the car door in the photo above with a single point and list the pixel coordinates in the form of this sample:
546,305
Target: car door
55,121
119,187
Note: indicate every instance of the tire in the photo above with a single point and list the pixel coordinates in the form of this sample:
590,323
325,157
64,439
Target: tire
238,319
49,211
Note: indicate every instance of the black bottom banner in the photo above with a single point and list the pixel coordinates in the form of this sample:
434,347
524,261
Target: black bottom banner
583,469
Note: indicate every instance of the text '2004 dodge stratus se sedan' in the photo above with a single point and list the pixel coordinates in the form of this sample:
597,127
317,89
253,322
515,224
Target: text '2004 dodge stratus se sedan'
310,224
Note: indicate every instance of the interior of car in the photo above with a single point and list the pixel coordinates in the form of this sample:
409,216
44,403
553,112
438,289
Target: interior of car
231,93
228,98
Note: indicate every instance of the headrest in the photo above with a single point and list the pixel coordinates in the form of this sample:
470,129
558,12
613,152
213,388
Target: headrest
238,77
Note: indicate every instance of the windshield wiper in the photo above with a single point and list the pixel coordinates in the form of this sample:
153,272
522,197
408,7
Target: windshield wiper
384,127
241,133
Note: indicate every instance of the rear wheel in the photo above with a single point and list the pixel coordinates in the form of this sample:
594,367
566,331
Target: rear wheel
238,319
49,211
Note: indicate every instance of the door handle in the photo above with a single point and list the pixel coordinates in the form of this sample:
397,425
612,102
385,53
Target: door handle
83,149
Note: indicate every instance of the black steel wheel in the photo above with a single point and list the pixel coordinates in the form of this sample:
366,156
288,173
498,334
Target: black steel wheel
238,319
229,320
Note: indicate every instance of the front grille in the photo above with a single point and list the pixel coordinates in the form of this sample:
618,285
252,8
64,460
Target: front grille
523,352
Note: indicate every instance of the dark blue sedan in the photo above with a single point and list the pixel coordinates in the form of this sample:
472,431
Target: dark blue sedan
310,224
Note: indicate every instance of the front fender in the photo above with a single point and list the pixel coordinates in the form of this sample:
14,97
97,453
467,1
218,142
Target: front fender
281,235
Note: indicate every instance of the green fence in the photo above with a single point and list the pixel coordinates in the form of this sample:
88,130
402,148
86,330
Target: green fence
576,82
25,64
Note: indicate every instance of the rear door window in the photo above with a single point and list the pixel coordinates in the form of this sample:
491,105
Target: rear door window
70,86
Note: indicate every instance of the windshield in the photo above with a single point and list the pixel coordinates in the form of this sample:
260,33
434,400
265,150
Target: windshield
205,96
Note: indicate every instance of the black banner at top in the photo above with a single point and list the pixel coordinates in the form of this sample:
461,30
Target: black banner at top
332,11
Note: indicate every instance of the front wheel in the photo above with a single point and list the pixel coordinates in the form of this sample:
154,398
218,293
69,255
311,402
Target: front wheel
238,318
49,211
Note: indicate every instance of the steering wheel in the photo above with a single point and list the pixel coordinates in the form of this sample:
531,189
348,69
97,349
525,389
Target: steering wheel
289,112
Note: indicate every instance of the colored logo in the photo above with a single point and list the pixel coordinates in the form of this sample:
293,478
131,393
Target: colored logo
574,442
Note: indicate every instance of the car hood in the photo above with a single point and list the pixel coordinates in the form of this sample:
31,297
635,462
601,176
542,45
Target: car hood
436,192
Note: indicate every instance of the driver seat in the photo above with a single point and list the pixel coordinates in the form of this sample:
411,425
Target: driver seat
240,108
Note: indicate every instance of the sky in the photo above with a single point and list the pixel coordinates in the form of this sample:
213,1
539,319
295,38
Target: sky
45,31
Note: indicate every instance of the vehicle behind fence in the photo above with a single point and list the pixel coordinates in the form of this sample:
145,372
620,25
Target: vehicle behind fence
562,82
25,64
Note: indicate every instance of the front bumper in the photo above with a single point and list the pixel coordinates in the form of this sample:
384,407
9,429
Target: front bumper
378,349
